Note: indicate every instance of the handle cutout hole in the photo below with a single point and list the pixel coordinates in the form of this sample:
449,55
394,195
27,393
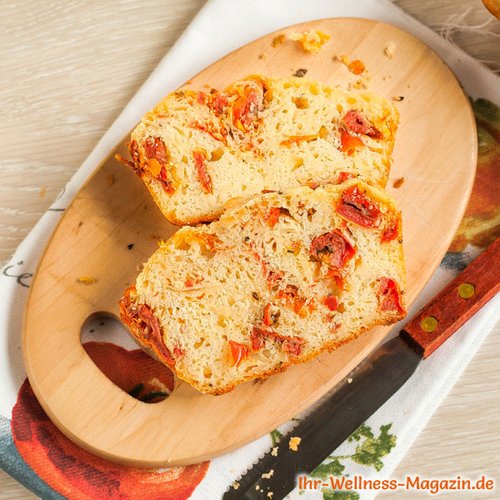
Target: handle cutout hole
114,352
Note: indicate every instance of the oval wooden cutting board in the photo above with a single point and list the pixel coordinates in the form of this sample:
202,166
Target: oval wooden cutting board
435,153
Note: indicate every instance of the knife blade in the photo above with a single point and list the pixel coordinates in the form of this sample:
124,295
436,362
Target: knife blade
371,383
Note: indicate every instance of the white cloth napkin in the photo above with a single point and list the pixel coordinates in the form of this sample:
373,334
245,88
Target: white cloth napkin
219,27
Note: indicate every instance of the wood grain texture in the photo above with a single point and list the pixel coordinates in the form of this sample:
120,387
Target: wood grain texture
102,220
456,303
41,89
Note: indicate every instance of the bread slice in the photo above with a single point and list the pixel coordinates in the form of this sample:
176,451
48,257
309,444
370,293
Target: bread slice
277,280
198,149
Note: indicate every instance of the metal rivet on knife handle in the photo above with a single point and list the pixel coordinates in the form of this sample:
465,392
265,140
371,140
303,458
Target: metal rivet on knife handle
466,290
429,324
456,303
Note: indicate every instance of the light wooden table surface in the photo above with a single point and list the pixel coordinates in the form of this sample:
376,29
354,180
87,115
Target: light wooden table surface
69,67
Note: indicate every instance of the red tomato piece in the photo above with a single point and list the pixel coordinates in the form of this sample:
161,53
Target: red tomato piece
208,129
389,295
331,302
155,148
144,323
267,319
201,97
337,279
245,109
349,143
258,337
273,217
217,103
200,163
357,123
166,183
238,352
293,345
356,207
332,249
343,176
391,232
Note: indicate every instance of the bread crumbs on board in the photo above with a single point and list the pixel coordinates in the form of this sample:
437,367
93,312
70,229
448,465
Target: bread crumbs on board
398,183
236,485
278,40
294,442
86,280
389,50
269,494
300,73
356,67
274,451
311,41
360,84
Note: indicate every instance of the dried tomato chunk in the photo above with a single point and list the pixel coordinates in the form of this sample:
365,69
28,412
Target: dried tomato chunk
358,208
245,109
217,102
273,217
389,295
257,338
349,143
331,302
273,277
338,280
178,352
293,300
332,249
155,148
359,124
239,352
344,176
200,164
271,315
391,232
291,345
144,323
166,183
209,129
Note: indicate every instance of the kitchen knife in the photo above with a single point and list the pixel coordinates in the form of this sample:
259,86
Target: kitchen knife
371,383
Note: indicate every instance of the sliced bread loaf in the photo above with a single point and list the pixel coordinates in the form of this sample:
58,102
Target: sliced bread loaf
198,149
277,280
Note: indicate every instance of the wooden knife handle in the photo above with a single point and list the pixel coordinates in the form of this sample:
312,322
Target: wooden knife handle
456,303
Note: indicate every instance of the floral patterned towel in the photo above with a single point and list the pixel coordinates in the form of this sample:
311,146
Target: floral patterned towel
34,452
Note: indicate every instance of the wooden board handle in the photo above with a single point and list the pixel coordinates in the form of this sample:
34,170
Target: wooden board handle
454,305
